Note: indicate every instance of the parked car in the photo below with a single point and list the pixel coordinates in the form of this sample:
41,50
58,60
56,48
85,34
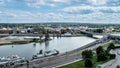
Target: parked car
118,52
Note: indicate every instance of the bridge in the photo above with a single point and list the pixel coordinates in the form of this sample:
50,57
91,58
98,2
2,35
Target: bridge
89,34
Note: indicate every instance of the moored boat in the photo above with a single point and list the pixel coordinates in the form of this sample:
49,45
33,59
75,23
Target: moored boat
8,59
45,53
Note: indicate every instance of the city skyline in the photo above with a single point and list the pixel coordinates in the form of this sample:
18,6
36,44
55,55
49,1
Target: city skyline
38,11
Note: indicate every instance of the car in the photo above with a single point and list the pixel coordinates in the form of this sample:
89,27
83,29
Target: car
118,52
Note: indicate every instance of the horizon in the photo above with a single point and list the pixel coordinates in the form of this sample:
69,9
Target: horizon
63,23
42,11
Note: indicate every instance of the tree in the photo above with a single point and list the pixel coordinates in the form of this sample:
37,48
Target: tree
87,54
107,52
88,63
17,32
47,37
28,31
112,56
101,57
118,66
99,50
111,46
98,30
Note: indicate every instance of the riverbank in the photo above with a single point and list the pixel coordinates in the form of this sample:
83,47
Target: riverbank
26,41
51,35
4,42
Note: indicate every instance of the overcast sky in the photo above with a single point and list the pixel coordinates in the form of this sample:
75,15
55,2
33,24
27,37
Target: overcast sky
36,11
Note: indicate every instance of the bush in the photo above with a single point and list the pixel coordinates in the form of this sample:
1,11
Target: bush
88,63
112,56
87,54
111,46
107,52
35,40
117,46
101,57
118,66
99,50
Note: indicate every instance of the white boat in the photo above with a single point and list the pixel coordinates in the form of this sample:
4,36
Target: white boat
45,53
38,55
13,58
51,52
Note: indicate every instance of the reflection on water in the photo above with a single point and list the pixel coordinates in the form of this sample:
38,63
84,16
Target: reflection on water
46,45
61,44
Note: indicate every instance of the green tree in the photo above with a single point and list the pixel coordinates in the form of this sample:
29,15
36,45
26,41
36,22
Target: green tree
87,54
98,30
112,56
101,57
99,50
88,63
34,40
111,46
118,66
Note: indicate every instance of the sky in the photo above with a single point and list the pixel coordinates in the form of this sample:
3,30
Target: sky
40,11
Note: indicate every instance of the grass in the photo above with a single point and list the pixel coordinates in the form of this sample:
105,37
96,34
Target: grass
20,42
104,45
1,44
80,64
24,41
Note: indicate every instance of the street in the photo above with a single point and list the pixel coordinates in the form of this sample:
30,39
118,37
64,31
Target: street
113,63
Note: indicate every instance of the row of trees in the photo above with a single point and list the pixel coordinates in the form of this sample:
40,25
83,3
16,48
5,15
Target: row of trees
102,55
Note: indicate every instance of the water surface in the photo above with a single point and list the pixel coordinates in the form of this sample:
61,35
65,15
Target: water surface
62,44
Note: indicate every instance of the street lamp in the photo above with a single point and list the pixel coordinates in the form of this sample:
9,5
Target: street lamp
66,53
27,63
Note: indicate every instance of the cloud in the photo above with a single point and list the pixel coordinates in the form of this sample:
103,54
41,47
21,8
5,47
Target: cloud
90,9
78,9
60,11
113,2
98,2
109,9
38,3
29,17
3,2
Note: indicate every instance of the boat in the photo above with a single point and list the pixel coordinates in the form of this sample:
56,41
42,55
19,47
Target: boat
45,53
13,58
38,55
51,52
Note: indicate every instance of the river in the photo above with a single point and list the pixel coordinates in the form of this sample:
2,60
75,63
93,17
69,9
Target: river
62,44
